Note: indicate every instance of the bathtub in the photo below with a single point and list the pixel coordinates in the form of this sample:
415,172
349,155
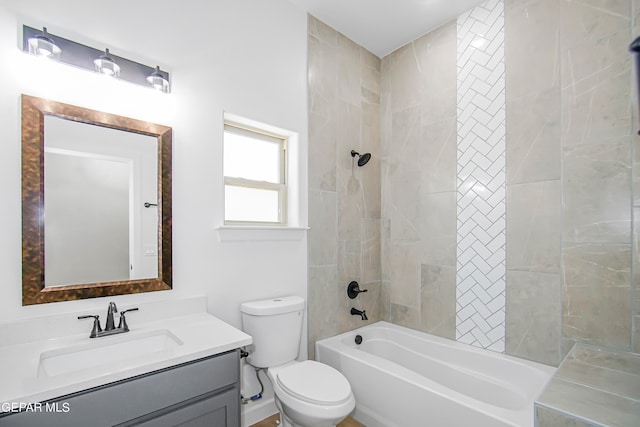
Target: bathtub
405,378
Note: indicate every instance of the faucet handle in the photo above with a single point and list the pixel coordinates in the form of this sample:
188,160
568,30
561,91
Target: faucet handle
353,289
96,324
123,320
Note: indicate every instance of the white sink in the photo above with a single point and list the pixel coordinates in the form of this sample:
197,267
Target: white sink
105,351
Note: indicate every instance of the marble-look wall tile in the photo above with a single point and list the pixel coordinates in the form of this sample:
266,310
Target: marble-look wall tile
386,113
533,135
349,181
385,301
418,137
548,418
371,178
405,275
608,359
597,192
403,203
438,229
403,175
322,171
534,316
322,76
370,73
404,316
532,46
436,57
595,384
597,293
636,334
371,172
323,303
586,21
438,300
348,135
368,59
318,29
566,345
385,249
405,143
437,156
323,228
635,244
349,260
348,81
635,141
371,249
615,382
344,200
404,72
635,14
635,110
534,227
596,97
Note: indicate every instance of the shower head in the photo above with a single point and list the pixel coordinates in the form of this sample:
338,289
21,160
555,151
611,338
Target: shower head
362,158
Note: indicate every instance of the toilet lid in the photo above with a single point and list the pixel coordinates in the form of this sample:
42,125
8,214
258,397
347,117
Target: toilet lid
314,382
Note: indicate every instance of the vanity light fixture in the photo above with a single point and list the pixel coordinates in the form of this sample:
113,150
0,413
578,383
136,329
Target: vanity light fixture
42,43
105,64
158,81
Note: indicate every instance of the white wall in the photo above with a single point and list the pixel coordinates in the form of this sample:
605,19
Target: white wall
246,57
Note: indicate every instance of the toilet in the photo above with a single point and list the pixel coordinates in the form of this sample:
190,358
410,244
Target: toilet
308,393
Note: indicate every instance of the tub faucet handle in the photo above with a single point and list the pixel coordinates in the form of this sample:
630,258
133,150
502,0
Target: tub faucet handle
353,289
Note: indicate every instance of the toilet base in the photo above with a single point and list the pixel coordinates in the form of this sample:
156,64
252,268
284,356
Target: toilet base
285,421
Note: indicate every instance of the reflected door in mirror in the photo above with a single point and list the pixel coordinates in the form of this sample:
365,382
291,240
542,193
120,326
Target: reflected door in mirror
97,180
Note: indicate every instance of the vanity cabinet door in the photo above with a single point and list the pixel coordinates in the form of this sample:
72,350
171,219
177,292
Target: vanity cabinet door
213,410
205,392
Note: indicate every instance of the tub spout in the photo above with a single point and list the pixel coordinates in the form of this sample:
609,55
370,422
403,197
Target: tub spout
356,312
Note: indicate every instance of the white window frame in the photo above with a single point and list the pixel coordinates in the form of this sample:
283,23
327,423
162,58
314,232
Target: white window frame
281,187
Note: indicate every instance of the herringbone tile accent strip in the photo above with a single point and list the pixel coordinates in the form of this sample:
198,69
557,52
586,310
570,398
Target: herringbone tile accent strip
481,226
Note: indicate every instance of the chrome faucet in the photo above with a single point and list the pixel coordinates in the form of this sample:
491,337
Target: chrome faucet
362,314
109,328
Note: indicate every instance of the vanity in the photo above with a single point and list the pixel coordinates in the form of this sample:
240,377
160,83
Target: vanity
176,369
96,222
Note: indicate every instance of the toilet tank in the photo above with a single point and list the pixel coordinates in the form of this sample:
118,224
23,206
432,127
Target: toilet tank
276,327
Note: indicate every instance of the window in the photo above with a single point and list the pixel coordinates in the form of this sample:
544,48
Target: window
255,176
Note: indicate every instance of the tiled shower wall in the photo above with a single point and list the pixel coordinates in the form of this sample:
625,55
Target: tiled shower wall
481,181
344,199
572,175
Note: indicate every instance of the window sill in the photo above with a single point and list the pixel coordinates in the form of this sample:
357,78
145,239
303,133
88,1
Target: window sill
251,233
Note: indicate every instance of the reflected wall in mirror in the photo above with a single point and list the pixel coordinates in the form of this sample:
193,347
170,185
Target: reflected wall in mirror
90,185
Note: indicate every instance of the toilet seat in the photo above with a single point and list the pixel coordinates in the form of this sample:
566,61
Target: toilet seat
315,383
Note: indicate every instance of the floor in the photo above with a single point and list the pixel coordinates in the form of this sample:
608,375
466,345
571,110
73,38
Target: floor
274,420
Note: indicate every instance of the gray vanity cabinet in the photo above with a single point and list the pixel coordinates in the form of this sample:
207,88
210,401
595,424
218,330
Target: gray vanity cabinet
205,392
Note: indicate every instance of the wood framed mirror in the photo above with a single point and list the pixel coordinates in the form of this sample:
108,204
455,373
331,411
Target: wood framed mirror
59,275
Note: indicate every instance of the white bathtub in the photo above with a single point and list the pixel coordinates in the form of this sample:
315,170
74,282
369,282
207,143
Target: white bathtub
404,378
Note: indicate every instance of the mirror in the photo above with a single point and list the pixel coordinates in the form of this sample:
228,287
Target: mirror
90,185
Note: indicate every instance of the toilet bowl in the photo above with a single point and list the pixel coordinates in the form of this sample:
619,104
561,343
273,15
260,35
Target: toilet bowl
307,393
311,394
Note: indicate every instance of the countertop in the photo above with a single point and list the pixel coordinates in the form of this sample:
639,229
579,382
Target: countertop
200,334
